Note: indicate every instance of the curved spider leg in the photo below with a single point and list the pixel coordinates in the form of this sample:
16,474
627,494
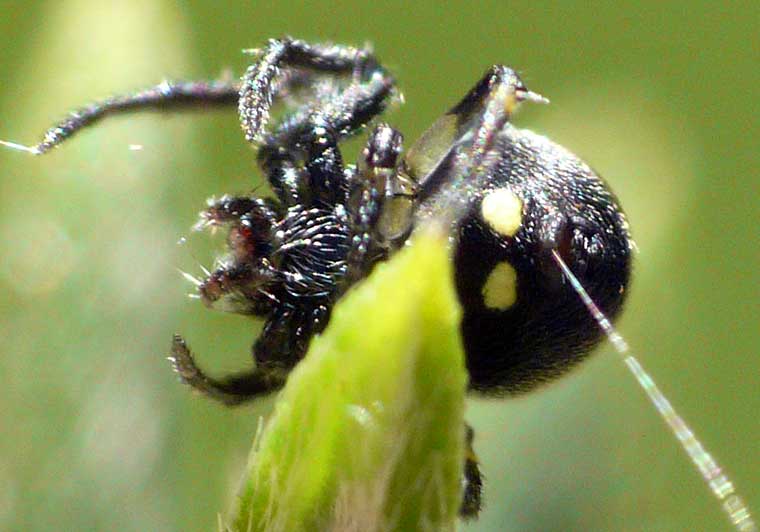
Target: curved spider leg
285,338
324,162
472,480
302,158
259,82
318,177
281,345
166,96
287,177
231,390
345,106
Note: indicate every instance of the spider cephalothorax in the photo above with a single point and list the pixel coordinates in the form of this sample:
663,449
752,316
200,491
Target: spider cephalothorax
290,258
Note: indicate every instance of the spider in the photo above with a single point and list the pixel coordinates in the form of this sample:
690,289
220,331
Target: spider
516,203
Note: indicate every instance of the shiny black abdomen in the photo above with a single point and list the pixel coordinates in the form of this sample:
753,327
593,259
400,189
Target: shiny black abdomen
547,330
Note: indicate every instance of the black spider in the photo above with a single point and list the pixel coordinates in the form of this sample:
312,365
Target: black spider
516,202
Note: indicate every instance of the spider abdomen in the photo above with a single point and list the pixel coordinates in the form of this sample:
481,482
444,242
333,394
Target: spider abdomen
523,325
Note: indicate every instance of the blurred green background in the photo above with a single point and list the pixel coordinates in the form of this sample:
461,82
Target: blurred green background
97,434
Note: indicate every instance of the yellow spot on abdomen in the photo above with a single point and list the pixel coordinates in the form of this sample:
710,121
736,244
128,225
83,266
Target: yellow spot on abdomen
500,289
502,210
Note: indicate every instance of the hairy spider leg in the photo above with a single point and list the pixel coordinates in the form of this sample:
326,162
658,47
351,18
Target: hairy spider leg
304,162
166,96
257,90
285,338
232,390
301,157
472,480
372,186
464,139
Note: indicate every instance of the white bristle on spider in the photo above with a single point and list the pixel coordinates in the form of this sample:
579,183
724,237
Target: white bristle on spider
194,280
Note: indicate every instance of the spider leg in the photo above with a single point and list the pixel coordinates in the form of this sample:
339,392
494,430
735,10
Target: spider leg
259,82
286,335
380,201
302,159
324,162
231,390
463,143
165,96
345,108
286,175
472,480
282,343
304,163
